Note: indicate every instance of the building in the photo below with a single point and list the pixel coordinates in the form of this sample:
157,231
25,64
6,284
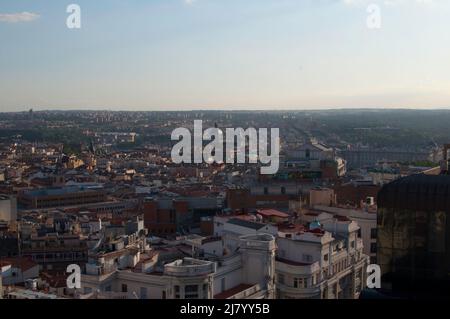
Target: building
261,196
168,272
8,208
1,284
365,218
20,293
312,261
168,216
18,270
55,250
162,218
60,197
414,236
358,158
320,263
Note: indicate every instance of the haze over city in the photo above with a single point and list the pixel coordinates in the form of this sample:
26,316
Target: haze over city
211,54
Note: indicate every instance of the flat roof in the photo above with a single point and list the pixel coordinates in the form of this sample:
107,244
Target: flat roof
246,223
61,190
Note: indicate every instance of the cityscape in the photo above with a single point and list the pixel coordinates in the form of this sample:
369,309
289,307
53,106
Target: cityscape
99,190
194,150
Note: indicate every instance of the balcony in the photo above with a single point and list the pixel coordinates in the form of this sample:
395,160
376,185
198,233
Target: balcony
296,268
259,241
290,291
189,267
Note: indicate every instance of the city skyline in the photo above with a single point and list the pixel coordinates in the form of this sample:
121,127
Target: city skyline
210,54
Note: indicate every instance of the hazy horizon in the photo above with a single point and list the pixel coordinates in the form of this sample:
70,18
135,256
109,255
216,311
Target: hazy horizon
242,109
224,55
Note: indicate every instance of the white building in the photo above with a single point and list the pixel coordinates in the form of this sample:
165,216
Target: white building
211,271
8,208
366,220
17,270
317,261
320,263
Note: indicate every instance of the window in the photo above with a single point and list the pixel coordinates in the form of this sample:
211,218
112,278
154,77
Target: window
325,257
266,191
373,248
124,288
177,292
191,292
283,190
307,258
281,278
352,244
164,296
373,233
300,283
143,293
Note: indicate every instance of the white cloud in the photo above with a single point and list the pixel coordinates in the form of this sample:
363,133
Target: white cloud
18,17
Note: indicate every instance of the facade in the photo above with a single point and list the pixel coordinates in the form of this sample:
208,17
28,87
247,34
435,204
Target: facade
318,265
168,216
365,218
8,208
213,272
312,261
55,250
18,270
414,236
60,197
358,158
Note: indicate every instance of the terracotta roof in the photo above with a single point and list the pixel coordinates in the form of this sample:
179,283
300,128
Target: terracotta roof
272,213
233,291
19,262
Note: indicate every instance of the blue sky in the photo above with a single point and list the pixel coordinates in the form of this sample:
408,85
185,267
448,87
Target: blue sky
223,54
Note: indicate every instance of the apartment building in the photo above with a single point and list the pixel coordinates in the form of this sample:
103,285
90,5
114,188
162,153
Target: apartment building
8,208
313,260
60,197
193,268
323,207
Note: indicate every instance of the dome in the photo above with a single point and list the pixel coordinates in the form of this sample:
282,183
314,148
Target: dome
315,225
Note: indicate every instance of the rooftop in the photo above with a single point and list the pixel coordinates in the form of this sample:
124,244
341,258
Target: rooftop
61,190
246,223
417,192
233,291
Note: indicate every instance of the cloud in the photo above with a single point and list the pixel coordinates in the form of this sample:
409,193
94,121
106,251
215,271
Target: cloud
18,17
189,2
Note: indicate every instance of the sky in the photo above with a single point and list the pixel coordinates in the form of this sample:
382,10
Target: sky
224,54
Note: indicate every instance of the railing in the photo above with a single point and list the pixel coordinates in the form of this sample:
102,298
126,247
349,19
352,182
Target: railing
183,269
247,292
